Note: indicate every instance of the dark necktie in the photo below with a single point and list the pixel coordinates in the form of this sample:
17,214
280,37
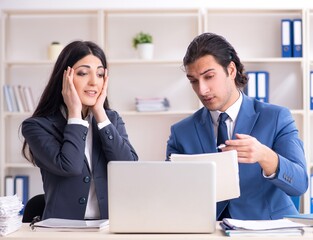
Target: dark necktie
222,135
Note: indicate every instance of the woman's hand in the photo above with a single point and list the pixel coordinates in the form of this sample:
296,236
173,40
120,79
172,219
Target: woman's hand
70,95
97,109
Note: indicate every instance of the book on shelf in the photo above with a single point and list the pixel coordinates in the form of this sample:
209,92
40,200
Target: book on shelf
152,104
306,219
7,97
29,98
69,225
279,227
18,98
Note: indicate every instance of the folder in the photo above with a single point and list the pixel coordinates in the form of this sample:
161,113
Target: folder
250,90
9,186
297,38
21,183
311,90
262,86
286,37
311,193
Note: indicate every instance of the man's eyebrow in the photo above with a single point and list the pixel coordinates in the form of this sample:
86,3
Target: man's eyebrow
208,70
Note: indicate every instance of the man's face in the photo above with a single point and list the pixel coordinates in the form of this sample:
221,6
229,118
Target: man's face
215,88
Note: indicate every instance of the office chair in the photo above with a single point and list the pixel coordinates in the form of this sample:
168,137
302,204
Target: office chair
33,208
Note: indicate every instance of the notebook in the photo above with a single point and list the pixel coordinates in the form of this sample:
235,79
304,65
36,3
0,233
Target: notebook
161,197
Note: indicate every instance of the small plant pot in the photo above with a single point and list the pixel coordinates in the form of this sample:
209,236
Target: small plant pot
54,50
145,50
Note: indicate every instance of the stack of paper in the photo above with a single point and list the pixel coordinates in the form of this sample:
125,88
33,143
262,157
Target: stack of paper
10,220
280,227
152,104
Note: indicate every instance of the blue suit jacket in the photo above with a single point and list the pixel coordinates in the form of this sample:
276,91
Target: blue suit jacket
274,127
59,152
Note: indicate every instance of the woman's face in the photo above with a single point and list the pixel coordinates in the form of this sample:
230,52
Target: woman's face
88,79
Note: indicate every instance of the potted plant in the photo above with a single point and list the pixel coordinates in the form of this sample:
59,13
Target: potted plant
143,42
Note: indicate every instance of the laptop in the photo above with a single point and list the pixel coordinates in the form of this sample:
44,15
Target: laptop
161,197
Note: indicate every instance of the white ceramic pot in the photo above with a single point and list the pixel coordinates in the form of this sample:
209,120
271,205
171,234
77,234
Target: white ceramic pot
145,50
54,50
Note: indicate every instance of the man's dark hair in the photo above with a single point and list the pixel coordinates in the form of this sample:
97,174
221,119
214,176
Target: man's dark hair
218,47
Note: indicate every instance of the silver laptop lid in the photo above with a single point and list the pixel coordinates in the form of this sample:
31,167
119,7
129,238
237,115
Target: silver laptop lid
161,197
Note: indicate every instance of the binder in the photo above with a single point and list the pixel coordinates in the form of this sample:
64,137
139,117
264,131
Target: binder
250,90
311,193
297,38
286,37
311,90
262,86
9,186
21,183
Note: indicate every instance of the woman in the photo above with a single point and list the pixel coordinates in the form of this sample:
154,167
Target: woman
73,134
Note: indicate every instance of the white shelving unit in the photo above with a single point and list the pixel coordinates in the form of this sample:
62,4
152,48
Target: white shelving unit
255,34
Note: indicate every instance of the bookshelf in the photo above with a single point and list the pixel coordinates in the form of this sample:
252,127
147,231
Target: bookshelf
254,32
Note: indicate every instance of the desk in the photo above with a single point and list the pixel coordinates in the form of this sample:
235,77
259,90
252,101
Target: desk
26,234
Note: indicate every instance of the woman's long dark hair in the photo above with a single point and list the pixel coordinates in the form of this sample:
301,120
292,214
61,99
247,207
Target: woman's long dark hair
51,99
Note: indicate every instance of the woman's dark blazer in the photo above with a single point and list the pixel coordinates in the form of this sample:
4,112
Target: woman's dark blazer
59,151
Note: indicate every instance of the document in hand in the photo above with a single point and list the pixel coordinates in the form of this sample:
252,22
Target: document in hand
227,173
280,227
68,225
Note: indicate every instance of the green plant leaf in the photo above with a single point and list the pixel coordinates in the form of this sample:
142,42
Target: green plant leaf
142,37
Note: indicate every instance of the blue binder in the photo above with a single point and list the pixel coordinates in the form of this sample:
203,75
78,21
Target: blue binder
286,37
311,90
297,38
21,183
250,89
262,86
311,193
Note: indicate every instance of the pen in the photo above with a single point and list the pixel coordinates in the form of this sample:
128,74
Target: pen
221,146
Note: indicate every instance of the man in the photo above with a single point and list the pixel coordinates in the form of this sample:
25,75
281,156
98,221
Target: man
272,165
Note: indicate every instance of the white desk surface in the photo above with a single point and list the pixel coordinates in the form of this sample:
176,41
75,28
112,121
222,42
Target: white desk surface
25,233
